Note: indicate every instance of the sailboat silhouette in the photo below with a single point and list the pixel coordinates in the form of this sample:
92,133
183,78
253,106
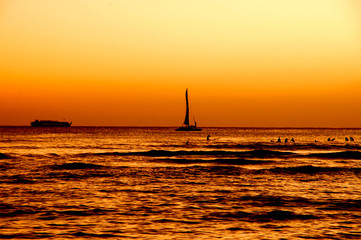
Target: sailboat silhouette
186,126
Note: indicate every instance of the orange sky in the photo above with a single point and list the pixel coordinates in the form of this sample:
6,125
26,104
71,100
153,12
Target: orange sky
247,63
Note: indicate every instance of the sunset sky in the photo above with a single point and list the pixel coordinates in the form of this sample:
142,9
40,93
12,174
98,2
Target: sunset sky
246,63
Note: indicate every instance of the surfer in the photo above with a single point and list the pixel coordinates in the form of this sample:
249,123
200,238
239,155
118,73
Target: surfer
346,139
292,140
208,137
351,139
279,139
286,140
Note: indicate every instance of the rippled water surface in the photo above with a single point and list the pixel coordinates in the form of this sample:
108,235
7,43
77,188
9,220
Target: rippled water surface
156,183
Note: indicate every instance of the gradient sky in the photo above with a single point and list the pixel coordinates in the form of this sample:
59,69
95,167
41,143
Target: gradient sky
247,63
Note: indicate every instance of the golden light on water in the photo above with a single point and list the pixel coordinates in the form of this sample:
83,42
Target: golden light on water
149,183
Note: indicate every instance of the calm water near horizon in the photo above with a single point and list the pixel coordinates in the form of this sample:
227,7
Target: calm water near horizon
157,183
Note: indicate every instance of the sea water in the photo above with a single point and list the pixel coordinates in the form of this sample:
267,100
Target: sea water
157,183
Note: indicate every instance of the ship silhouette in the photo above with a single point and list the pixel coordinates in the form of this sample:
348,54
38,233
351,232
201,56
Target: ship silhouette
49,123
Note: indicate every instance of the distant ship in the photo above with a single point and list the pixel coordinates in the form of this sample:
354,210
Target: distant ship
186,126
50,123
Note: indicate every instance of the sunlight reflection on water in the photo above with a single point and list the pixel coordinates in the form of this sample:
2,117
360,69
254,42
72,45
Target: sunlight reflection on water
148,184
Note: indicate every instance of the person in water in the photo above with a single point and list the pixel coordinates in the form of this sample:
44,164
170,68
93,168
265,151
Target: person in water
292,140
208,137
279,139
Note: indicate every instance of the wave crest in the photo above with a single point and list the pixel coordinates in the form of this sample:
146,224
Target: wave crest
4,156
76,165
309,169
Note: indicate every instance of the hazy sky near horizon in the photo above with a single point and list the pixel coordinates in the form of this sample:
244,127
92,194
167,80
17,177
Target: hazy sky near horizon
246,63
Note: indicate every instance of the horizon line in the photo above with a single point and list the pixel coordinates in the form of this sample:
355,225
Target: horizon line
124,126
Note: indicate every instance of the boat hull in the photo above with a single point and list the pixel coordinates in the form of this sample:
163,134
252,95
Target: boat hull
49,123
188,129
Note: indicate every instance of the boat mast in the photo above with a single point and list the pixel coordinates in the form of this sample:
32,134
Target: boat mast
186,120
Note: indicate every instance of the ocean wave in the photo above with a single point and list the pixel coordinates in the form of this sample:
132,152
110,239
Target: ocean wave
269,200
79,175
309,169
16,179
217,170
286,146
166,220
8,210
26,235
6,166
213,161
347,204
338,155
259,153
76,165
95,235
274,215
5,156
81,213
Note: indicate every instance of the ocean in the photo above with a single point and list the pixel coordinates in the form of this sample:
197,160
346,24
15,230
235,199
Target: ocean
157,183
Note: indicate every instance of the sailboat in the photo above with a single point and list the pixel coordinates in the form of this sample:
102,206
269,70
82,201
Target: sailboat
186,126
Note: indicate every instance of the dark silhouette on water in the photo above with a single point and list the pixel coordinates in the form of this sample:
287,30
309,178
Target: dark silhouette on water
208,137
279,139
50,123
346,139
186,126
292,140
351,139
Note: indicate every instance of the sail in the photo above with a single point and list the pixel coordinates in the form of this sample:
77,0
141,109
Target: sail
186,120
186,126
